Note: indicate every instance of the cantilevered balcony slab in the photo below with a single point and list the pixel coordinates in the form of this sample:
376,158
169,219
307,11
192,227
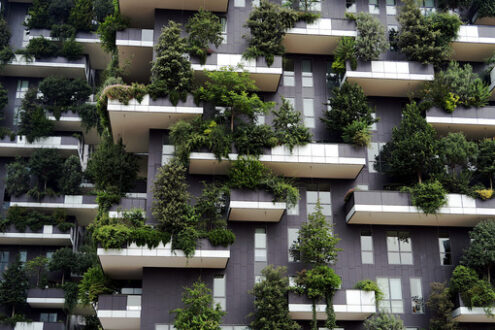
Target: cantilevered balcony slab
395,208
473,315
135,47
475,43
39,326
66,145
54,298
72,122
473,122
349,305
388,78
320,37
119,312
315,160
142,13
42,68
254,206
128,262
266,78
91,45
48,235
132,122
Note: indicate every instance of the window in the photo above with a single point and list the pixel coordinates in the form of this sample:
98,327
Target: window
392,292
373,126
49,255
416,296
288,68
366,247
23,256
373,7
17,116
22,88
445,251
293,210
399,248
260,245
4,260
255,3
427,6
292,234
309,113
219,296
307,73
324,197
391,7
311,5
48,317
350,6
260,119
240,3
223,21
373,151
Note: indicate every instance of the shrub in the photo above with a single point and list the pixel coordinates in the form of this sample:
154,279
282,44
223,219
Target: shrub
485,162
475,292
186,240
288,126
358,133
480,254
45,13
247,173
4,33
384,321
344,52
251,139
429,196
221,236
108,31
486,8
93,284
62,31
71,50
70,295
114,236
212,205
441,307
39,48
203,28
71,176
34,123
371,40
125,93
18,178
485,194
369,285
81,15
102,9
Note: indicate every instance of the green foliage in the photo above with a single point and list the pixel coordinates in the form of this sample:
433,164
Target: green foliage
70,295
475,292
481,252
64,260
267,24
212,205
199,312
111,167
6,53
270,301
14,286
39,48
370,285
45,166
344,52
93,284
171,71
440,305
288,126
81,15
384,322
34,123
62,31
38,267
348,104
71,176
252,139
45,13
23,218
485,162
71,49
429,196
204,28
108,31
125,93
486,8
103,8
221,236
357,133
426,39
371,39
18,178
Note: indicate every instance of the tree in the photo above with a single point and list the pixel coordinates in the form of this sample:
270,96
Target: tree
441,308
288,126
107,30
204,28
316,242
102,9
371,39
384,322
412,150
270,301
4,99
111,167
45,166
81,16
199,312
71,176
63,260
267,24
18,178
171,70
485,162
480,254
14,286
38,266
34,123
93,284
231,90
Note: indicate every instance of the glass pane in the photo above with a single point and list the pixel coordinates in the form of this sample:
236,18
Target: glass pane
326,210
259,255
307,81
416,287
306,66
383,285
384,306
219,286
291,100
312,197
366,243
444,244
289,81
308,105
405,245
429,3
288,64
406,258
22,256
393,258
395,288
367,257
392,243
310,208
373,2
397,306
293,210
445,259
221,301
44,317
4,256
239,3
260,241
391,2
325,197
309,122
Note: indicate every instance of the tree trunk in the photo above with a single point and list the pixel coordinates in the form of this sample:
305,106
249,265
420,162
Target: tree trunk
232,120
491,182
63,277
315,322
13,310
419,177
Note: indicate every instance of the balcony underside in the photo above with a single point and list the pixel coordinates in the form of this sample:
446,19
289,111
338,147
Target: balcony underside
256,211
473,315
386,87
342,312
25,150
98,58
35,239
56,303
485,21
73,124
84,213
471,127
40,69
136,61
299,43
120,320
472,51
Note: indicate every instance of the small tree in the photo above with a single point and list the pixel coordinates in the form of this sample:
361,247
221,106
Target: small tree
34,123
81,16
199,312
63,260
4,98
93,284
171,70
288,126
18,178
371,39
103,8
71,176
38,266
270,301
384,321
45,166
485,162
441,308
14,286
480,254
204,28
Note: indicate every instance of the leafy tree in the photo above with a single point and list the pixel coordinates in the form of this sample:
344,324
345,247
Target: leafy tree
108,31
486,8
71,176
63,260
93,284
45,166
357,133
204,28
412,150
199,312
111,167
252,139
384,322
171,70
480,254
81,15
371,39
485,162
344,52
212,205
270,301
230,89
474,292
102,9
14,286
4,33
288,126
267,24
441,308
39,267
34,123
18,178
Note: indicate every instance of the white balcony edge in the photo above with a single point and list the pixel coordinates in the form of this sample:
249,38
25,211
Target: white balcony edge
460,121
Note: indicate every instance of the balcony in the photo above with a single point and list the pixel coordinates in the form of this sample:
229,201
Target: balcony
66,145
84,208
132,122
386,78
42,68
53,298
266,78
90,43
48,235
349,305
127,203
319,38
72,122
463,314
326,161
474,43
490,20
135,47
119,312
395,208
128,262
256,206
473,122
38,326
142,13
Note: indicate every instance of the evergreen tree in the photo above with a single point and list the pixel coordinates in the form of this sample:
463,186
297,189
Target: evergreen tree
63,260
171,71
371,39
485,162
81,16
18,178
45,166
71,177
204,28
38,266
288,126
270,301
102,9
199,312
33,123
441,307
14,286
480,254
